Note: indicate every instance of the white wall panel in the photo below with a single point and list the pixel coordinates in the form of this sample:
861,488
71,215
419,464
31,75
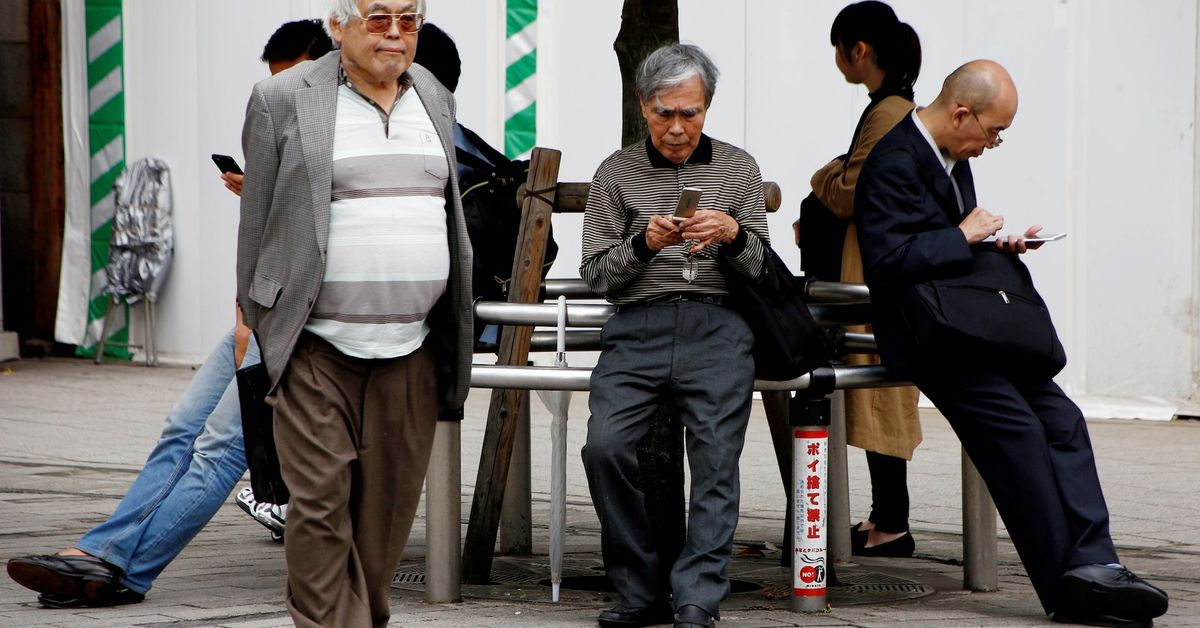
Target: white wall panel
1139,204
1103,145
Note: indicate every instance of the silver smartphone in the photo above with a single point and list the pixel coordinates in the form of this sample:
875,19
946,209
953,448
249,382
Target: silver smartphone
1049,237
1046,238
689,200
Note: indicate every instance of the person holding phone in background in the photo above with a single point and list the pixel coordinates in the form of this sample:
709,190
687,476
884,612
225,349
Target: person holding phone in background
917,218
672,338
873,48
198,459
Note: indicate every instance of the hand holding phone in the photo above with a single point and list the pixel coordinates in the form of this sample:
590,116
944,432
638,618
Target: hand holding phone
689,200
226,163
1053,237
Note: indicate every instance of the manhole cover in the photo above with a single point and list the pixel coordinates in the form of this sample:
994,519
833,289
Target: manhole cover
757,582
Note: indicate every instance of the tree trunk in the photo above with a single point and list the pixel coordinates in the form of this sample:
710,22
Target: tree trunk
47,179
645,26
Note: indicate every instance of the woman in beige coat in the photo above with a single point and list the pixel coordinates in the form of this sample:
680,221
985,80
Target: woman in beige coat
875,49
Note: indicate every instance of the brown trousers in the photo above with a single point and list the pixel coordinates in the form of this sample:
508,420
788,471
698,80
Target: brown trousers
354,438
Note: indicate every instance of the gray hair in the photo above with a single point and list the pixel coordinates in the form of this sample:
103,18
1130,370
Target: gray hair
673,64
342,11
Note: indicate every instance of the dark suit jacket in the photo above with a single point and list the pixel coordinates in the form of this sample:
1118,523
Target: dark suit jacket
907,218
284,229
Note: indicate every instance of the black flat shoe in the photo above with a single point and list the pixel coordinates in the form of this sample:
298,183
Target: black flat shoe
1104,593
858,537
902,547
622,617
119,597
66,577
692,616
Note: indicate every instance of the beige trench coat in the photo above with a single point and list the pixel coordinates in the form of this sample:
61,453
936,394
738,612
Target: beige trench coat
883,420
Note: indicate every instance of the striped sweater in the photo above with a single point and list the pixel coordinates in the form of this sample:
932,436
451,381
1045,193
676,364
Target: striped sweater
636,183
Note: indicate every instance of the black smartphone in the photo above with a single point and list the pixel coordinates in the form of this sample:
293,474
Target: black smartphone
226,163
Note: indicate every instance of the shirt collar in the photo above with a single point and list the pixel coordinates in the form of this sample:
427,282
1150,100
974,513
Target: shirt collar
344,79
946,162
702,154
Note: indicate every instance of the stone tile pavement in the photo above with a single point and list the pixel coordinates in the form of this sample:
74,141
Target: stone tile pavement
72,436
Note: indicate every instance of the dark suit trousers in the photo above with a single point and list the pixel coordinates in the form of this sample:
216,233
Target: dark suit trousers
697,355
354,438
1031,446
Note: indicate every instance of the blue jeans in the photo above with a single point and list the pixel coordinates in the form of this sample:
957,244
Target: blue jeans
193,468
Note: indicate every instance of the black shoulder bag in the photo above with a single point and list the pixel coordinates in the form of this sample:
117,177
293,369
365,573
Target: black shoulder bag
989,314
787,341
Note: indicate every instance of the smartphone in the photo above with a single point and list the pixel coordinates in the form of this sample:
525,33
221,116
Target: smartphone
1051,237
689,200
226,163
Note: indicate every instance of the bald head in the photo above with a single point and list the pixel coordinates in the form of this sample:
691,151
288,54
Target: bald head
982,85
977,102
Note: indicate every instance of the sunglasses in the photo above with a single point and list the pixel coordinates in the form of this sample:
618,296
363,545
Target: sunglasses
380,23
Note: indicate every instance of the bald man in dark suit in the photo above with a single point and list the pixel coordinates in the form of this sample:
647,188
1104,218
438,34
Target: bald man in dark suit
917,219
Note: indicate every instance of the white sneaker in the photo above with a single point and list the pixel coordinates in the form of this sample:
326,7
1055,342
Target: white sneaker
272,516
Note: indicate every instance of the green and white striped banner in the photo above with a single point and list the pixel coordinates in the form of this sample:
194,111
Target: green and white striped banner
106,138
520,98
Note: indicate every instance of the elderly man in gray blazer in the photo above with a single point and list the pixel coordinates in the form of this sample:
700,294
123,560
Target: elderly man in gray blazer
354,270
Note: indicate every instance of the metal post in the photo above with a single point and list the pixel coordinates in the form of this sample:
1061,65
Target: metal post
839,481
516,511
810,427
979,531
443,516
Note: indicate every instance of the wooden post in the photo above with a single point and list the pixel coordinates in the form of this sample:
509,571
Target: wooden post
516,511
506,405
572,198
47,185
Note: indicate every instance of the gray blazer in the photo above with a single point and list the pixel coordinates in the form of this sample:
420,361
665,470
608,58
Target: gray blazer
288,143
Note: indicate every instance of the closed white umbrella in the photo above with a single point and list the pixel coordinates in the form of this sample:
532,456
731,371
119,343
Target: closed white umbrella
558,402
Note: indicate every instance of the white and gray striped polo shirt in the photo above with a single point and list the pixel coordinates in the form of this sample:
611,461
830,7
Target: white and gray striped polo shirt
388,257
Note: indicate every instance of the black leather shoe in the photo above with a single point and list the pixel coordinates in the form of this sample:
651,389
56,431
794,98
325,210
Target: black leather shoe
902,547
66,577
119,597
692,616
622,617
1102,620
1102,593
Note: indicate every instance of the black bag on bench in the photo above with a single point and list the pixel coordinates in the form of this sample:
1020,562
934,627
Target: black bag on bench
787,341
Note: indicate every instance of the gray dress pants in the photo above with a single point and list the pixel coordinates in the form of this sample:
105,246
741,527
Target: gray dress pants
696,355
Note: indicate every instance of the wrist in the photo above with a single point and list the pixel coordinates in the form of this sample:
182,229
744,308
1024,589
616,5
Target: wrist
641,247
736,245
732,234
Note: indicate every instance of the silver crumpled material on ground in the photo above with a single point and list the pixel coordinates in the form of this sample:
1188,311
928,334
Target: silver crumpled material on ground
141,243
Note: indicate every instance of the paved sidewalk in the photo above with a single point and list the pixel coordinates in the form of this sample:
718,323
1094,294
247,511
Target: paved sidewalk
72,436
